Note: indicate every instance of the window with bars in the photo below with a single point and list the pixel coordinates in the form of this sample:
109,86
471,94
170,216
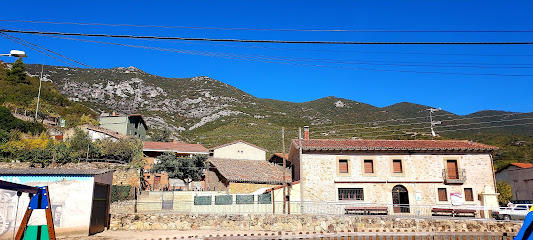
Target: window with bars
368,165
351,194
397,166
344,166
469,195
443,195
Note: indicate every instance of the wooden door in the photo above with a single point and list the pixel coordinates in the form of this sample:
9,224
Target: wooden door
451,168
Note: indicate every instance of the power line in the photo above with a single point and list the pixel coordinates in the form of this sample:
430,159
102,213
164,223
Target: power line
272,29
415,123
30,47
262,41
249,58
80,63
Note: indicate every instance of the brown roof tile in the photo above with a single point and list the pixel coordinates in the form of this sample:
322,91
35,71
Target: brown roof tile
255,171
179,147
391,145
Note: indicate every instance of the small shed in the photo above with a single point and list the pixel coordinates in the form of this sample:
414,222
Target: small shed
80,199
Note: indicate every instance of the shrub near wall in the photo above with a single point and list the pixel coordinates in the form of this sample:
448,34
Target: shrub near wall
120,193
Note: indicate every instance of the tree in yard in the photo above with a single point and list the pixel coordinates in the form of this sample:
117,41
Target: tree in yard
184,168
504,189
17,73
161,136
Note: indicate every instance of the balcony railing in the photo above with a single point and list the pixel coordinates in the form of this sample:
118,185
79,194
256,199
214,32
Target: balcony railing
451,176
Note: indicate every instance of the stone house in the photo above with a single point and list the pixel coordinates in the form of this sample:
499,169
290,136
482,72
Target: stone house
160,181
131,125
243,176
387,172
521,180
239,150
503,174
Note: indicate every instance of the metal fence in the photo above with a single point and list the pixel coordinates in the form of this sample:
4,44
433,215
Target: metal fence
256,204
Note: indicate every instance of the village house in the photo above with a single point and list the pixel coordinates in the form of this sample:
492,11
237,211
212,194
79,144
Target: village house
131,125
521,180
244,176
239,150
161,181
397,173
503,173
241,167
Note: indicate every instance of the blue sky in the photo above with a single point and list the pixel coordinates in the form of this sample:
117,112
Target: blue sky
264,70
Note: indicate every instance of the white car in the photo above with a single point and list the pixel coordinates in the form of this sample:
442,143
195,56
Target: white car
514,212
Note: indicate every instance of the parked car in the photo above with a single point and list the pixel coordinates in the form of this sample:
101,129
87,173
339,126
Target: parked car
514,212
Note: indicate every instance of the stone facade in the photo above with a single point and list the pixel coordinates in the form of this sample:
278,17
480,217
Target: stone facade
422,176
297,223
239,150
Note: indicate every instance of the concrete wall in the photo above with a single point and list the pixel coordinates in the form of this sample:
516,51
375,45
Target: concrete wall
303,223
503,174
240,150
71,199
422,175
521,183
117,124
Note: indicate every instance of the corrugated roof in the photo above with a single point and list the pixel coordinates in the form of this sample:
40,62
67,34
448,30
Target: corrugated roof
391,145
174,147
254,171
238,141
52,171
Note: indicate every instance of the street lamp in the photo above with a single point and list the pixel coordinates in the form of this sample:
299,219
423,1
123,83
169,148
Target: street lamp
15,53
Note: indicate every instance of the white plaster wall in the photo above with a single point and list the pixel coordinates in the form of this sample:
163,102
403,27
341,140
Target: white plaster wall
240,151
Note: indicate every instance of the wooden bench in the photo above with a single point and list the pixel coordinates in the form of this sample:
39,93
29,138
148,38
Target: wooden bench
453,212
367,210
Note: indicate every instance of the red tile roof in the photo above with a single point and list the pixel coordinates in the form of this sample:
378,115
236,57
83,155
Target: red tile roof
254,171
522,165
280,155
391,145
238,141
179,147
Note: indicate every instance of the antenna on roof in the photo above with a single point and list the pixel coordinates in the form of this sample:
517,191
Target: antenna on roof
433,123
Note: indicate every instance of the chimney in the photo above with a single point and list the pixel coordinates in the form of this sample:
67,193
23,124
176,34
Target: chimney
306,132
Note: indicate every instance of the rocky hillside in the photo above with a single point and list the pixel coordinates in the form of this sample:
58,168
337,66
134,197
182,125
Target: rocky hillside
205,110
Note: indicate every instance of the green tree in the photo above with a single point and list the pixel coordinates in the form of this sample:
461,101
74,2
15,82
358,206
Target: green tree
126,150
161,136
17,73
80,144
184,168
506,194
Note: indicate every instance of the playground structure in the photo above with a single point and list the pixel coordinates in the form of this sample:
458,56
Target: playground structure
40,199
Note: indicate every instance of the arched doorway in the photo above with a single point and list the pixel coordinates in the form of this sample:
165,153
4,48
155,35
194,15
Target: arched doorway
400,199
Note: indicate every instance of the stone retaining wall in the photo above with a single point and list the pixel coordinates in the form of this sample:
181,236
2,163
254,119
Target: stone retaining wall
302,223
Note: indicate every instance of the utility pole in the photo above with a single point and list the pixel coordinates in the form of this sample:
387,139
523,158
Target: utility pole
284,167
300,171
39,94
433,123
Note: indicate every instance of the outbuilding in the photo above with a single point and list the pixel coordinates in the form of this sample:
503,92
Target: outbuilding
80,200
